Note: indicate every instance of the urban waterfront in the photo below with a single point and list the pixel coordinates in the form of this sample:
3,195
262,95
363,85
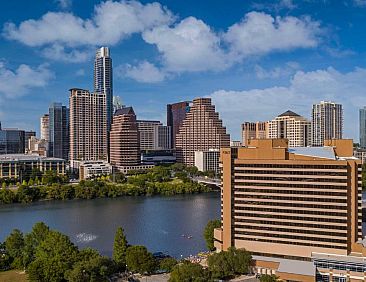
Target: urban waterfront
156,222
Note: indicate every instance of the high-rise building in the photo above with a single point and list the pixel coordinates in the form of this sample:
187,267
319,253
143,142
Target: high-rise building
327,122
58,131
253,130
45,127
124,139
103,80
12,141
363,127
176,113
154,135
201,130
88,125
297,210
291,126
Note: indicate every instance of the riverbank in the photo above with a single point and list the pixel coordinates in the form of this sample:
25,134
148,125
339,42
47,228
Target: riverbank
164,181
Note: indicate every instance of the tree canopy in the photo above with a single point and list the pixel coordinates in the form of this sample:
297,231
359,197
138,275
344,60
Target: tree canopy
208,233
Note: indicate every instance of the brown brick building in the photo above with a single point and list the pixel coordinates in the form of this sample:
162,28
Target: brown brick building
124,139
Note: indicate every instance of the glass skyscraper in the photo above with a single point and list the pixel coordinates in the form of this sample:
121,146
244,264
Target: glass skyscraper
12,141
363,127
59,131
103,80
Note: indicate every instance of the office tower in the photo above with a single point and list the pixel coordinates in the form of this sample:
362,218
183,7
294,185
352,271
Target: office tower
58,131
12,141
27,136
363,127
154,135
103,80
297,210
327,122
45,127
253,130
88,125
176,113
201,130
291,126
124,139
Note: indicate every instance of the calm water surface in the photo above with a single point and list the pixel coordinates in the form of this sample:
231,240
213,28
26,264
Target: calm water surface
156,222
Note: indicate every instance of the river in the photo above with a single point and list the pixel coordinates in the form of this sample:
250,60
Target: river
156,222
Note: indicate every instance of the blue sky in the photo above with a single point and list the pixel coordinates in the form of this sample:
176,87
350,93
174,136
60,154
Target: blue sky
256,59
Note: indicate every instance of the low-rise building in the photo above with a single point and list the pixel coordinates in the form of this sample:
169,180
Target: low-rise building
37,146
90,169
158,157
17,166
207,160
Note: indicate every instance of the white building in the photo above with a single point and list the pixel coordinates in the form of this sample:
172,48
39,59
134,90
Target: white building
291,126
207,160
88,169
327,122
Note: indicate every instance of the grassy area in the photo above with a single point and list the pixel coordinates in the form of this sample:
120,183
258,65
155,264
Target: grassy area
13,275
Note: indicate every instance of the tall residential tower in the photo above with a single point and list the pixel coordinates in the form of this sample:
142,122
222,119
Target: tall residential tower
327,122
103,80
176,113
291,126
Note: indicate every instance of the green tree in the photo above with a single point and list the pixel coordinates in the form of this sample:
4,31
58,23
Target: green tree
119,248
189,272
5,259
167,264
93,269
268,278
32,240
139,260
14,245
3,185
228,264
208,233
53,258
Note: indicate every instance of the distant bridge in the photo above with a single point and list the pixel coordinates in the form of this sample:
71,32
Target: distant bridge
209,181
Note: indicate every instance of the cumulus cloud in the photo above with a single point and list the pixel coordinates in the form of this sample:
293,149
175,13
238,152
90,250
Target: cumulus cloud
64,4
143,72
15,83
111,22
277,72
260,33
190,45
304,89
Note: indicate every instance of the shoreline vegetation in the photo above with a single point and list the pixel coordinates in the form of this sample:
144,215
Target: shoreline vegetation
44,254
160,180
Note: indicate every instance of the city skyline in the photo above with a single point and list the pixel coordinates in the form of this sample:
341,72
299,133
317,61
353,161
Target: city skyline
323,60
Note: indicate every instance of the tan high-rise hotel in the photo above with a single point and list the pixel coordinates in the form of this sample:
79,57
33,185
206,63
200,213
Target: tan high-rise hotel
297,210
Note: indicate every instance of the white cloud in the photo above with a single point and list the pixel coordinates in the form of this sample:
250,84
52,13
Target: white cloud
64,4
260,33
190,45
304,89
80,72
20,81
111,22
359,3
288,69
60,53
143,72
